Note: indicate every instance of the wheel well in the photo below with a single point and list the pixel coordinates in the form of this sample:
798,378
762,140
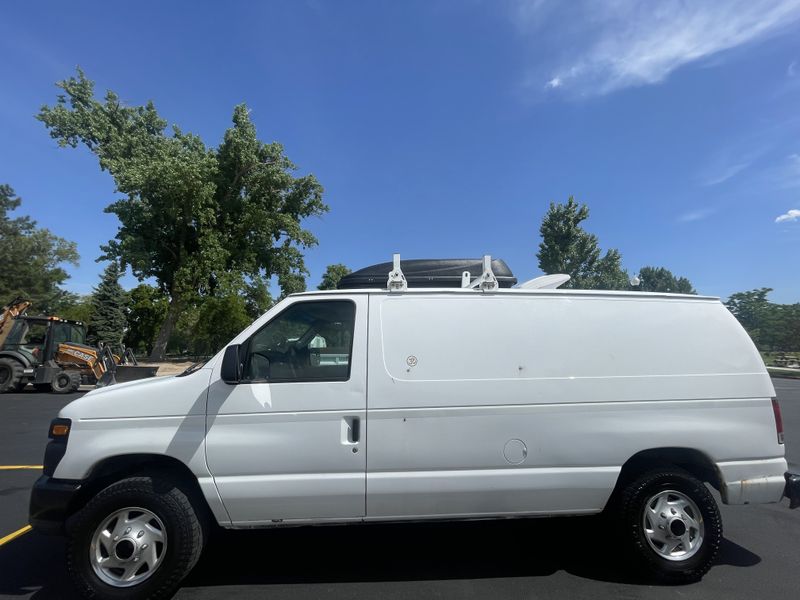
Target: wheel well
115,468
693,461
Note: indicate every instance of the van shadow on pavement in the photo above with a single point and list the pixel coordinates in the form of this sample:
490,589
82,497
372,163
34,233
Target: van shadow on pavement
371,553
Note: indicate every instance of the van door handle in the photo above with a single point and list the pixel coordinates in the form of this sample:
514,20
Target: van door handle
351,431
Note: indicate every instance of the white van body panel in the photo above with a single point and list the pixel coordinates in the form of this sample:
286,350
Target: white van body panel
161,416
574,383
472,404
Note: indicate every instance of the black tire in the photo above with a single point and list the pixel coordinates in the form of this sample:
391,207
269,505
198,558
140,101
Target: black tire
184,534
66,382
633,502
11,372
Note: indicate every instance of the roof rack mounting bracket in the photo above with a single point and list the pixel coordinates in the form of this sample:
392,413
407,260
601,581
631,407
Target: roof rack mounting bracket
397,281
487,281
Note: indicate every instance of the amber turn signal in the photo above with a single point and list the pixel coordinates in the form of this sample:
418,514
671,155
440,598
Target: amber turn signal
59,428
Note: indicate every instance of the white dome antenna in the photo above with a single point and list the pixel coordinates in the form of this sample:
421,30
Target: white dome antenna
545,282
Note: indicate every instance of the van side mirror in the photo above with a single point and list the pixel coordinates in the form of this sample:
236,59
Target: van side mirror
230,371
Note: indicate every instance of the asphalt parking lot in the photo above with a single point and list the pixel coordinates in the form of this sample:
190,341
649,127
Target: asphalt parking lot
547,558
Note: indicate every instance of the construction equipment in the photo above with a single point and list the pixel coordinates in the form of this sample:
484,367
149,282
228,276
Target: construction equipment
52,354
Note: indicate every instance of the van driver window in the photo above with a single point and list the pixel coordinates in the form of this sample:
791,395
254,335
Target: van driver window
309,341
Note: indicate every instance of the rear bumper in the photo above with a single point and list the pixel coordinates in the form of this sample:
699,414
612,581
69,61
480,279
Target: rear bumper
792,489
50,503
752,481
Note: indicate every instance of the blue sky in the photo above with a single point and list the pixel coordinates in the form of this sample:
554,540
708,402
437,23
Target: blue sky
444,129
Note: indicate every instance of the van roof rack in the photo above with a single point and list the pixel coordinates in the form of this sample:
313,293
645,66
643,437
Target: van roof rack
484,274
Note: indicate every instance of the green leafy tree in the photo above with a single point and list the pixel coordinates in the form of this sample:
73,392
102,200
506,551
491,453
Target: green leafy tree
183,342
292,284
752,309
659,279
609,274
218,320
567,248
787,327
109,307
192,217
32,259
147,309
75,307
257,298
772,326
332,275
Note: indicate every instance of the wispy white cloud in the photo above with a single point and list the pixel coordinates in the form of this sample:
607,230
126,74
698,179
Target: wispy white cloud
791,70
696,215
601,47
735,157
791,215
727,173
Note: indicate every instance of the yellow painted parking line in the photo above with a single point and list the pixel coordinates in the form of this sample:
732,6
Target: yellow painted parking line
15,535
20,467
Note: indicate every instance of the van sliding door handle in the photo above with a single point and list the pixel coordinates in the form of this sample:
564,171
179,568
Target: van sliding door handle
355,430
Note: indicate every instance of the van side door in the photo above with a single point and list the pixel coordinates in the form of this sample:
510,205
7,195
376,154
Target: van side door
464,418
285,444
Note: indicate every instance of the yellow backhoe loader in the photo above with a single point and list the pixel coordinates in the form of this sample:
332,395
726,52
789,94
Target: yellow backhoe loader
51,353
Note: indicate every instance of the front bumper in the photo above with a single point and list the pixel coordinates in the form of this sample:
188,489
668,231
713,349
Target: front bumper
50,503
792,489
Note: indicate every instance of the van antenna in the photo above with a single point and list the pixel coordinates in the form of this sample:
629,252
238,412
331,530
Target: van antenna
397,281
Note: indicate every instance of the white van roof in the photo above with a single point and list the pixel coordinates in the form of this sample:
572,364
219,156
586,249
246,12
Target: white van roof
510,292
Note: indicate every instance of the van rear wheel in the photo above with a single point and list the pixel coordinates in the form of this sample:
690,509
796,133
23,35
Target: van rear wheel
672,525
136,539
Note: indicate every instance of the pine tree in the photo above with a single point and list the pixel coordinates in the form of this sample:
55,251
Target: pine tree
109,308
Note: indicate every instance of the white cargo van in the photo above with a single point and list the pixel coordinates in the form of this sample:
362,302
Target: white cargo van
406,403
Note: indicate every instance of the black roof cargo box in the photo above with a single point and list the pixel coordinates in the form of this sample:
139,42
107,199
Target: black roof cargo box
428,273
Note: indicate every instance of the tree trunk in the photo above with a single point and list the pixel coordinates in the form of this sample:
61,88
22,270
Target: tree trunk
160,345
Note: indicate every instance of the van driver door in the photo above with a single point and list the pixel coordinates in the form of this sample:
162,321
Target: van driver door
287,443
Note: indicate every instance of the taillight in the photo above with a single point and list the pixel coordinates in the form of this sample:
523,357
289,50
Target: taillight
776,409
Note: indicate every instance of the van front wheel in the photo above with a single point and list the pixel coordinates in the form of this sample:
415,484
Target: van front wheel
672,525
136,539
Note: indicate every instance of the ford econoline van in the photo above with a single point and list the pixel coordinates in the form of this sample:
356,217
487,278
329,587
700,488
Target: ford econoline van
403,401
